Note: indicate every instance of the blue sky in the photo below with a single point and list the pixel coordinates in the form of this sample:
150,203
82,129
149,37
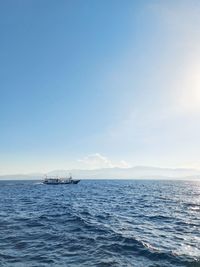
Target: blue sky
88,84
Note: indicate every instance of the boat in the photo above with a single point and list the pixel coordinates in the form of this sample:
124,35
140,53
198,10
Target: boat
55,180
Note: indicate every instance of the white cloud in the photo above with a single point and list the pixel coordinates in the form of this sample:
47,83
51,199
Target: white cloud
97,161
123,164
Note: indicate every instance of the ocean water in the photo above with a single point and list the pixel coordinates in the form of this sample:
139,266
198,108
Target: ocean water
100,223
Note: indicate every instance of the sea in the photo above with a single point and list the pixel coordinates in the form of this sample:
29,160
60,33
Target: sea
103,223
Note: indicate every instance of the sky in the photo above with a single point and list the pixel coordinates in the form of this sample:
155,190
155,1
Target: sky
95,84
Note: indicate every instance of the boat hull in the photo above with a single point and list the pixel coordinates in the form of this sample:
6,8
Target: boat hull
61,182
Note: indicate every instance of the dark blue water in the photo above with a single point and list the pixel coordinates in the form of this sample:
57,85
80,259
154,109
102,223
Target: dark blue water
100,223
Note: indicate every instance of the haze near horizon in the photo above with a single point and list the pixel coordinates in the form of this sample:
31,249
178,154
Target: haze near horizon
99,84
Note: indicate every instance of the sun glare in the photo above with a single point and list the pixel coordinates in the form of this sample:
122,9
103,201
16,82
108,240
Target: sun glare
189,91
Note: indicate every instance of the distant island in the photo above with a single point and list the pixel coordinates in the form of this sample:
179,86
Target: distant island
138,172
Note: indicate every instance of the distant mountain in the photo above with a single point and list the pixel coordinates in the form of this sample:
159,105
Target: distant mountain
138,172
21,176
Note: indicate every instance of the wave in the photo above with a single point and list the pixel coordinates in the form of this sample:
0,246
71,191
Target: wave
105,224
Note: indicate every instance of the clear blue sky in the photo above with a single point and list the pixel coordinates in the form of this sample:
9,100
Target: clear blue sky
111,82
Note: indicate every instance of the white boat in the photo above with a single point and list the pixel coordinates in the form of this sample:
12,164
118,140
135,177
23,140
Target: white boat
54,180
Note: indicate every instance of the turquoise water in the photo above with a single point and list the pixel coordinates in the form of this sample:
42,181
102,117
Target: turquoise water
100,223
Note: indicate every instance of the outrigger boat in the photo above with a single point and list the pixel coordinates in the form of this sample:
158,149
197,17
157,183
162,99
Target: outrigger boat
59,180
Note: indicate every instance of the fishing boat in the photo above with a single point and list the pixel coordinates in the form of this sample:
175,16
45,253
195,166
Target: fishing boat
54,180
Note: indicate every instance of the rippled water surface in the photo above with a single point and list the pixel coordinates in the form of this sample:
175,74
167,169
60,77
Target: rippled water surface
100,223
